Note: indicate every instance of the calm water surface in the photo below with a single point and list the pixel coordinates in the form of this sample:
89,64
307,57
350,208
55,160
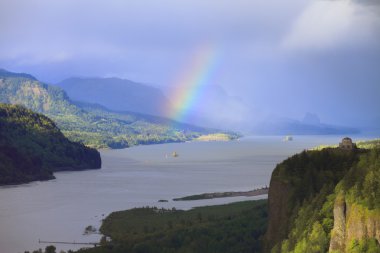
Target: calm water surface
60,209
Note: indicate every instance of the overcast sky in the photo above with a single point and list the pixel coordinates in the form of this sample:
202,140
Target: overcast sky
282,58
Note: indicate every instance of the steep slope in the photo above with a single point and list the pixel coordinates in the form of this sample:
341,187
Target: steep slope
117,94
93,125
327,200
357,208
32,147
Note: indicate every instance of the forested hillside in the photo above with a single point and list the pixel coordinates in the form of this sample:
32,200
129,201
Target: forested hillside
32,148
326,201
93,125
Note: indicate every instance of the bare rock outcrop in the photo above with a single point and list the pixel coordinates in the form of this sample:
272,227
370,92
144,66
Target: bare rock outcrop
352,222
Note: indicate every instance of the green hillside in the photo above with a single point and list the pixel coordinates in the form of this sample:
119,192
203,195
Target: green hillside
32,148
326,201
90,124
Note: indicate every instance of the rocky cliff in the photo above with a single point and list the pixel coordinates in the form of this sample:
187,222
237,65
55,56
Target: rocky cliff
278,211
354,224
325,201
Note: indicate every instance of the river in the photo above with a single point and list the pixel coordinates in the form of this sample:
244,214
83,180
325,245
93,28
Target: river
60,209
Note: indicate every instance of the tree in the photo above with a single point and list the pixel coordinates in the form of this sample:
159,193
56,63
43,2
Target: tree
50,249
318,241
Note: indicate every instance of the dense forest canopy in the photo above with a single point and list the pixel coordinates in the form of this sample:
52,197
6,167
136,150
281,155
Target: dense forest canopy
312,187
32,147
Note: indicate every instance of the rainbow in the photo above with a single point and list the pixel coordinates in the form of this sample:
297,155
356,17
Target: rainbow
187,91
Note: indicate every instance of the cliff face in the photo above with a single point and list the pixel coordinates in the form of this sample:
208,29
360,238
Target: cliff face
325,201
338,234
353,223
278,199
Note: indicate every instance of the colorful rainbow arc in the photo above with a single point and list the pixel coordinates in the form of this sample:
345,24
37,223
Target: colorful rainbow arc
188,89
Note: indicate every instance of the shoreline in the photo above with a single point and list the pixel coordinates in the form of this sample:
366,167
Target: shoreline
251,193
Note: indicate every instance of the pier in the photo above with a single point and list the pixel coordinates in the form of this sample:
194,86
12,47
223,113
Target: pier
95,244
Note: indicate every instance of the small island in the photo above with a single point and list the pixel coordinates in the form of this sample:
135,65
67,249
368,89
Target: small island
255,192
217,137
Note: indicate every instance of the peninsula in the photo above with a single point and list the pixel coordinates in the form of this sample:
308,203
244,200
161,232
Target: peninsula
255,192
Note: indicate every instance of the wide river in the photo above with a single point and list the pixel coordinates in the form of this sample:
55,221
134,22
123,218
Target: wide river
60,209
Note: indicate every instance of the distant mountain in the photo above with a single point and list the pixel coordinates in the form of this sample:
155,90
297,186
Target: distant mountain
310,124
214,107
311,119
32,147
117,94
93,125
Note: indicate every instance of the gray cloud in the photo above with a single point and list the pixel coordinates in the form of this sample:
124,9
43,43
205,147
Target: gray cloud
280,57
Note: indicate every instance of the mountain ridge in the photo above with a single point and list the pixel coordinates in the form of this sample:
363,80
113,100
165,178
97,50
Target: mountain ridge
4,72
117,94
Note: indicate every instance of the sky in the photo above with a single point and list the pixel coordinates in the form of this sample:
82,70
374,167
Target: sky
273,58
